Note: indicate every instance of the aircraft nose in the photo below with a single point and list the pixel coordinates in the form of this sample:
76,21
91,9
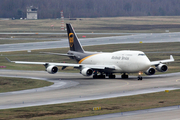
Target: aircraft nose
145,64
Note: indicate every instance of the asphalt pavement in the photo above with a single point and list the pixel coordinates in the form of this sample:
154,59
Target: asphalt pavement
144,38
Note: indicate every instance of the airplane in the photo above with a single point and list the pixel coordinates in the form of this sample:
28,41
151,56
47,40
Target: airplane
102,64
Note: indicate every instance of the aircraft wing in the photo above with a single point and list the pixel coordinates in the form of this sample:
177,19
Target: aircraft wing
94,67
163,61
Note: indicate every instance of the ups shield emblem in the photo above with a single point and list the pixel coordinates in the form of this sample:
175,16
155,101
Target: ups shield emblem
71,39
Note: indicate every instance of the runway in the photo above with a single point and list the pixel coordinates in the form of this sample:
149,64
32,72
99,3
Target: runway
145,38
78,87
50,33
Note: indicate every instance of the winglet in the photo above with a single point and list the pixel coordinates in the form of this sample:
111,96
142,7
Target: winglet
163,61
8,60
171,58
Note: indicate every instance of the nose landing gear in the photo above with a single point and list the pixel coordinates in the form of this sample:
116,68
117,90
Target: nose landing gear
139,76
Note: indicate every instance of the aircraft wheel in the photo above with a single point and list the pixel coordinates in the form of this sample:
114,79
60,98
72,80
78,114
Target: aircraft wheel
102,76
124,76
140,78
99,76
112,76
95,76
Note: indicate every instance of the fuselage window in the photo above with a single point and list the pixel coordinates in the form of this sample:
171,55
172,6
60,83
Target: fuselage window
141,55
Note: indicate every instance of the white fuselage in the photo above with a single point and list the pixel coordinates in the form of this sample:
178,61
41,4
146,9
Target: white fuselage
123,61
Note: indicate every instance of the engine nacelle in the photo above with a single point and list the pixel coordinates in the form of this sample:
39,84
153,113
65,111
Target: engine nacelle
86,71
150,71
52,69
162,68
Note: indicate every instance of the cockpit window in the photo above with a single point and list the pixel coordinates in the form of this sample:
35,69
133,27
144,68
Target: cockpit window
141,55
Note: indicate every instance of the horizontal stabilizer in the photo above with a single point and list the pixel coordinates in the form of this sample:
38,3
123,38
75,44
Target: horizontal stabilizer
60,54
8,60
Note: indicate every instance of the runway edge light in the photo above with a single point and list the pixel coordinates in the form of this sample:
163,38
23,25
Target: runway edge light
96,108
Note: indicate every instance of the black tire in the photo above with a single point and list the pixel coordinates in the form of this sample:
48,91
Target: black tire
139,78
95,76
102,76
124,76
99,76
112,76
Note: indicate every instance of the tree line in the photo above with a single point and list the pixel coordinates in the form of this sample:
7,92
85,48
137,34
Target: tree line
90,8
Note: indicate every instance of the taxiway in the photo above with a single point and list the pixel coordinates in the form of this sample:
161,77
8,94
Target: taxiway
145,38
78,87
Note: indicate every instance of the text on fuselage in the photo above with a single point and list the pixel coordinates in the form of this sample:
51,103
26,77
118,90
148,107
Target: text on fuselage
120,58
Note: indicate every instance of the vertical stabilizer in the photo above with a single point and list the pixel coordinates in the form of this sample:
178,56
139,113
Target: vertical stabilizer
74,43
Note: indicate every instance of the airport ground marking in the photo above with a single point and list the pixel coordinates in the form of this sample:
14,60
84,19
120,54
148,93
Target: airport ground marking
127,83
177,80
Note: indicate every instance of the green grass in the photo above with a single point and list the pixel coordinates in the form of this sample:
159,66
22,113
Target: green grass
142,24
8,84
20,41
81,109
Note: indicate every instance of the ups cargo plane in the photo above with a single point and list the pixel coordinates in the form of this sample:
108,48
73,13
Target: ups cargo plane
102,64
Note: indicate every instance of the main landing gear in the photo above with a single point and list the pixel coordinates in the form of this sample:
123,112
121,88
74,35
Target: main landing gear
112,76
103,76
124,76
99,76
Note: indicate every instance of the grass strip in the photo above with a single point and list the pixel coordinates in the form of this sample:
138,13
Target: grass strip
8,84
142,24
82,109
2,41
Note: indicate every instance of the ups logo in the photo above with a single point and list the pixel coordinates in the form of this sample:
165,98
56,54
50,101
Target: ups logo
71,39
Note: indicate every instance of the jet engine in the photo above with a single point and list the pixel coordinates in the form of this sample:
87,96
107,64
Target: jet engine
52,69
162,68
150,71
86,71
